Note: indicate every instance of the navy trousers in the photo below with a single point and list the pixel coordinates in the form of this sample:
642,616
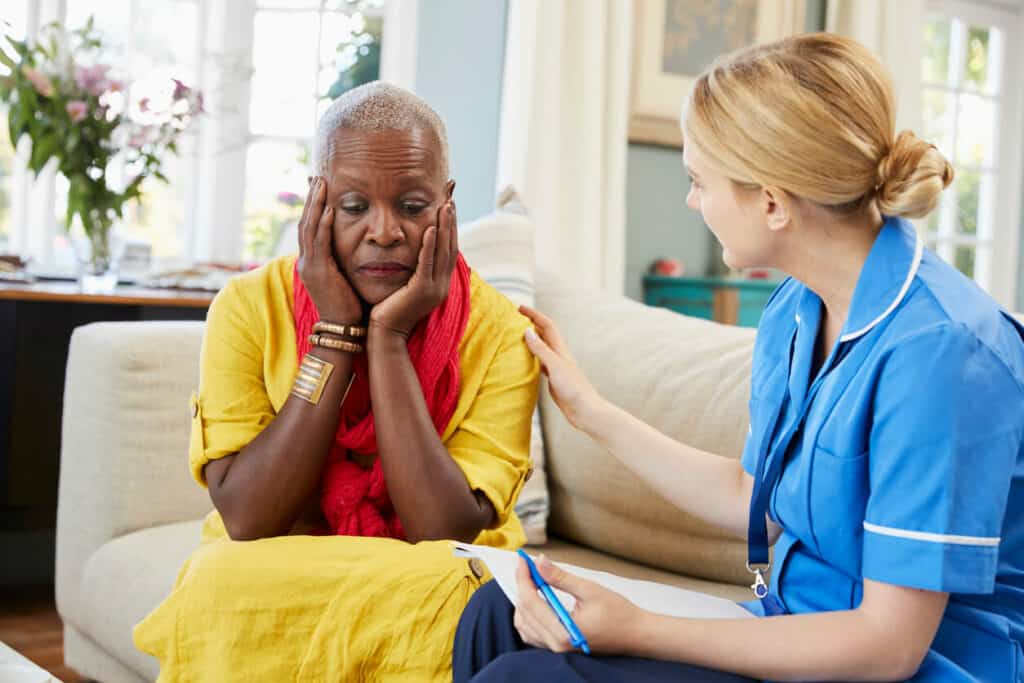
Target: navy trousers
488,650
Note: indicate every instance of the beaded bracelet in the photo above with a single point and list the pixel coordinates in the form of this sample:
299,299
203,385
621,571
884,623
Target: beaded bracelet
336,344
340,330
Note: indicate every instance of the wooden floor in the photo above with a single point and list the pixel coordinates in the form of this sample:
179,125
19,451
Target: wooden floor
30,625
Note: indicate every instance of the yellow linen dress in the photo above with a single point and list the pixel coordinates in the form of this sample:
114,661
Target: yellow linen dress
335,608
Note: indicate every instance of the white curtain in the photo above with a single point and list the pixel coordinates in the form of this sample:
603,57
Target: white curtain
563,138
893,30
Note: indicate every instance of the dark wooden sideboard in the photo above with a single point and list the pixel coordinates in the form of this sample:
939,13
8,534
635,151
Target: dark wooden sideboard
36,322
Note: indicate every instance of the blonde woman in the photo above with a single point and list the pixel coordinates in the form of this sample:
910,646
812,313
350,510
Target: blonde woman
885,458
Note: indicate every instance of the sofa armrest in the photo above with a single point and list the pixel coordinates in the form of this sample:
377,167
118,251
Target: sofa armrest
124,441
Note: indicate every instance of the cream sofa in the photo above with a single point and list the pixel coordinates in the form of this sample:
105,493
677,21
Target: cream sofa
129,512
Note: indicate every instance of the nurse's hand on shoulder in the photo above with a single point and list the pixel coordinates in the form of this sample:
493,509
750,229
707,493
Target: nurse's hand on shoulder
569,387
604,617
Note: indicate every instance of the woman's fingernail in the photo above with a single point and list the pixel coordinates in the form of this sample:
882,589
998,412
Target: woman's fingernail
530,334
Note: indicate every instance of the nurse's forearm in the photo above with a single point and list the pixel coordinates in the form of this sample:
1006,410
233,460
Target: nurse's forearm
851,645
708,486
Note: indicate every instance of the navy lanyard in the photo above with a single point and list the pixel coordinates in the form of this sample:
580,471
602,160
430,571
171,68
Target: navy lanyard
770,462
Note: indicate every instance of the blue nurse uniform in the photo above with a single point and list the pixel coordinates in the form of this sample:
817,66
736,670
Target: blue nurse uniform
902,458
899,460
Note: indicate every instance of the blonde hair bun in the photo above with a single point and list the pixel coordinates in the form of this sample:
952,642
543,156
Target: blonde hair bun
814,115
911,177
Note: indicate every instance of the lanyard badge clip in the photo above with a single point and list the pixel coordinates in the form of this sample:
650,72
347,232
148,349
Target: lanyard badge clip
760,585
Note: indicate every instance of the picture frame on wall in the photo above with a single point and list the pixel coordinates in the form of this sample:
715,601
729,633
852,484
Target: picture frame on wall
675,40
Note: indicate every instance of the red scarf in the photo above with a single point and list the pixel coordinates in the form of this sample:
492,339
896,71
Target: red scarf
354,500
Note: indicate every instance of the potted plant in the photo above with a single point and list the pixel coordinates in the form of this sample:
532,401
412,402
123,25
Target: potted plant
65,99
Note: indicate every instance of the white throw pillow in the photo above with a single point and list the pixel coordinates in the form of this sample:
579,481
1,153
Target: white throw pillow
500,248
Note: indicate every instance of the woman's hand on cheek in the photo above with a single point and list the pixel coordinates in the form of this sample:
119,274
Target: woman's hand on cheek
428,287
604,617
332,294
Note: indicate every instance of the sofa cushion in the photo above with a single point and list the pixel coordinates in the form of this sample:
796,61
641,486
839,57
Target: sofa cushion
124,580
500,248
688,378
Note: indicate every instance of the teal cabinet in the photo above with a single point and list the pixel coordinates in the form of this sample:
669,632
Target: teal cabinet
725,300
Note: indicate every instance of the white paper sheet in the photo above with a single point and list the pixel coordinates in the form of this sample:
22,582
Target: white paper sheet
653,597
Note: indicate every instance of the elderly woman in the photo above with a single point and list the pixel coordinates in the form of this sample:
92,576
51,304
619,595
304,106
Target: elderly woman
357,405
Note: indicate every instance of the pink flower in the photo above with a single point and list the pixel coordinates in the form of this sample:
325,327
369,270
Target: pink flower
93,79
181,90
144,105
115,86
138,139
77,110
39,81
289,198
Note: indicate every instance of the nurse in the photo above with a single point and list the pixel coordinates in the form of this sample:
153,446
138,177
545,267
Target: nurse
885,458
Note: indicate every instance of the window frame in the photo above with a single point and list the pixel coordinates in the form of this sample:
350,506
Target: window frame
299,140
216,162
997,255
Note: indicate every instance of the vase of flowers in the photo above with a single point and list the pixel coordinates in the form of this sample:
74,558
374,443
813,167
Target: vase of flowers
74,110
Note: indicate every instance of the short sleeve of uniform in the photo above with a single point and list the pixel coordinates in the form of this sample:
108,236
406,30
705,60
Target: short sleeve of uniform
492,443
943,446
232,406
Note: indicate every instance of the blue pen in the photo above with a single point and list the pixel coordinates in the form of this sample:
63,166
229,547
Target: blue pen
575,636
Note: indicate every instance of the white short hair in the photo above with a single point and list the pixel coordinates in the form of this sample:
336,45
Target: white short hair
377,106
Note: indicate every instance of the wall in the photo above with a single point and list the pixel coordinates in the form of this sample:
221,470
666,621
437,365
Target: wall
657,221
461,56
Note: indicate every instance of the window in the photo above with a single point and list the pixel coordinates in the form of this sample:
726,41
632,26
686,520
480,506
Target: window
14,24
290,89
268,68
971,111
135,35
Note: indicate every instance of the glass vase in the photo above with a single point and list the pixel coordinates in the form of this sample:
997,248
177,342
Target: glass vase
99,255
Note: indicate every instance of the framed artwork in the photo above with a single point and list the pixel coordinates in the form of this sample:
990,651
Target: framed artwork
674,40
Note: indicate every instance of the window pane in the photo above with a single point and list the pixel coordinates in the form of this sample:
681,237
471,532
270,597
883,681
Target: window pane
288,4
275,190
964,261
6,181
365,6
14,23
349,52
284,79
937,113
935,65
975,131
112,20
968,190
135,36
976,59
